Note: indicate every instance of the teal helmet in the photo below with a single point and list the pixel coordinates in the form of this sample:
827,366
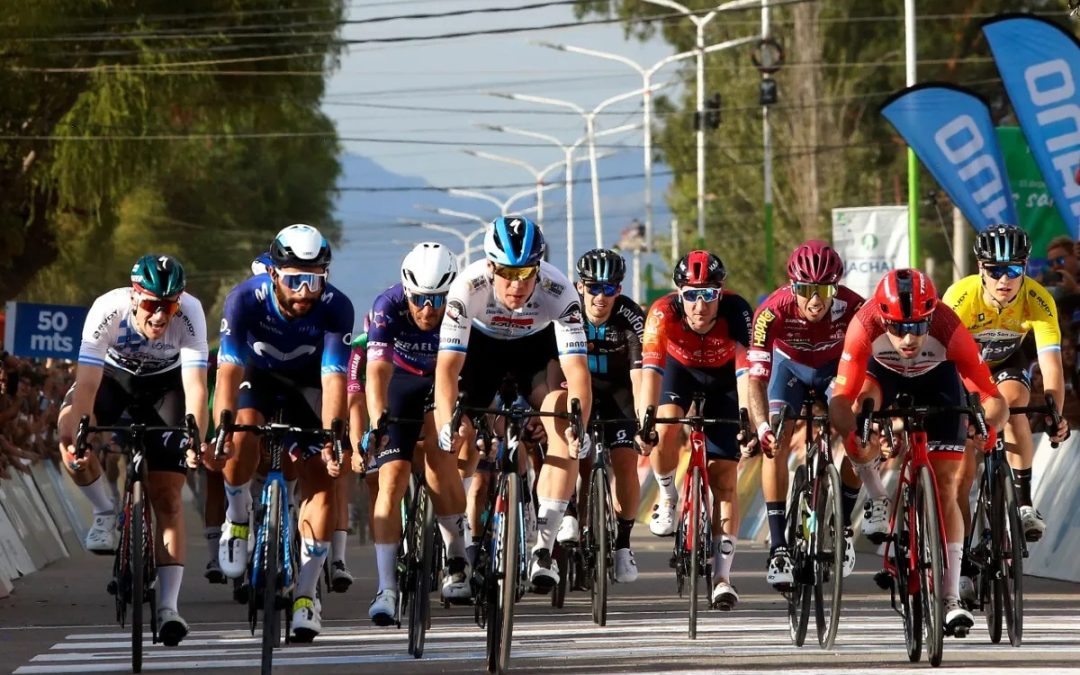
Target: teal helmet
161,276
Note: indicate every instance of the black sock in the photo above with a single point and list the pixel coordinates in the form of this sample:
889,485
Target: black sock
777,518
622,532
1022,483
849,498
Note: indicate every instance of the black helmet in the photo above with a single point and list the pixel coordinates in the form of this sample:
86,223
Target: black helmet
1002,244
699,268
601,265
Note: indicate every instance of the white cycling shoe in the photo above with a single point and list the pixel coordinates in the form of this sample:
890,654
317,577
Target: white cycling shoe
958,621
455,585
306,621
626,570
875,524
568,530
101,538
779,574
233,549
171,627
543,571
1032,523
383,608
849,551
724,596
662,523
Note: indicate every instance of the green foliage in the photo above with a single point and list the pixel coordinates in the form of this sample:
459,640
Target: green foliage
126,127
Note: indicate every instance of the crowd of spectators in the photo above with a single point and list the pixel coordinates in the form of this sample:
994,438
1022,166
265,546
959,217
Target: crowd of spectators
1062,278
30,396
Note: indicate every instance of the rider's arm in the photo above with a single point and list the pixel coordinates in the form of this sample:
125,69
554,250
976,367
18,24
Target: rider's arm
851,372
759,357
454,343
358,418
99,331
653,356
226,386
196,396
337,345
578,381
1043,310
87,381
194,352
232,354
377,386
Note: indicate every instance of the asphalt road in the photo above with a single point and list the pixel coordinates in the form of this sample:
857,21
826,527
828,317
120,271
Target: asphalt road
59,620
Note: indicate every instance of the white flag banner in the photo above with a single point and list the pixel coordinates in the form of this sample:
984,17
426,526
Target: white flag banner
871,240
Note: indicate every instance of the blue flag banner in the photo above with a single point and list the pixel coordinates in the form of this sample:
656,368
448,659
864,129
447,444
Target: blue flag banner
951,132
1040,66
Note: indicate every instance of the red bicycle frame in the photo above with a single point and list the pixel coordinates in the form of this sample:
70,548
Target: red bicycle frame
698,460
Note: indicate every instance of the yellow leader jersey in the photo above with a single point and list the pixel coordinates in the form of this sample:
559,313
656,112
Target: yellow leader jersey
999,333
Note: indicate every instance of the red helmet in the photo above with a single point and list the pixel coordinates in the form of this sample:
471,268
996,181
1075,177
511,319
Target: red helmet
699,268
906,295
815,262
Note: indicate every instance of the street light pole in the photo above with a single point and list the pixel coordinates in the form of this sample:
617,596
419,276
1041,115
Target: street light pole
467,248
503,206
913,162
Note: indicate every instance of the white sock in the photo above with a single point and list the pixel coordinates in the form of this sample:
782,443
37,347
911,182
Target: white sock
723,555
312,556
547,522
239,502
213,536
386,561
453,534
169,578
340,539
98,494
668,491
467,482
952,574
871,478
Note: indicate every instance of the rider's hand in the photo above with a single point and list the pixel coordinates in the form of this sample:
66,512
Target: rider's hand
535,431
578,448
67,452
208,459
647,443
450,440
766,439
332,466
891,445
358,461
1061,433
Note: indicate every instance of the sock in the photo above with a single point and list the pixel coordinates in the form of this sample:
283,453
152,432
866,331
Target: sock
1022,483
547,522
666,482
213,536
386,561
312,556
870,477
453,534
723,557
623,528
294,494
98,494
777,525
467,483
952,574
340,540
849,498
169,578
239,502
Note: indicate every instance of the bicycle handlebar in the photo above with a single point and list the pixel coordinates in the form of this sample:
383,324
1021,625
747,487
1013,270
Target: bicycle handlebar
1048,409
907,410
696,421
190,431
335,434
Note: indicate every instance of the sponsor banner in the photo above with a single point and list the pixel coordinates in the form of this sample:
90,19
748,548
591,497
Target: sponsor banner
950,130
1039,63
1056,494
871,240
1033,202
41,331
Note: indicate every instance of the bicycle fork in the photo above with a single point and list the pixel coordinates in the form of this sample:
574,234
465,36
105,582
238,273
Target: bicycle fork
275,478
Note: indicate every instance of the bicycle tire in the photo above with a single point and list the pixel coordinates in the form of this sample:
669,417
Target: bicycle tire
270,632
1008,542
911,604
598,529
990,590
507,562
420,615
561,556
694,532
798,598
931,565
138,579
829,561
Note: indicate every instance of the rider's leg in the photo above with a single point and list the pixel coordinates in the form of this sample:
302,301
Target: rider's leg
1019,445
447,491
316,522
163,489
555,485
90,477
240,468
213,511
947,472
393,482
627,493
774,485
665,457
723,477
342,496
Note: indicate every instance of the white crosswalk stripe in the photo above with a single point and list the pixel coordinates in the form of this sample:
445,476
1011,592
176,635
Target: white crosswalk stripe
568,638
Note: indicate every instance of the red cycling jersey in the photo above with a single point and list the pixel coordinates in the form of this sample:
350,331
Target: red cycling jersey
948,340
666,333
778,325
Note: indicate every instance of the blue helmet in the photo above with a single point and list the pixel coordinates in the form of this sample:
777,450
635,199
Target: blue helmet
514,241
262,264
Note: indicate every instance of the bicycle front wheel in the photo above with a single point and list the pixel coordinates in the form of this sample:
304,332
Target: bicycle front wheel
423,558
798,598
598,543
269,574
693,531
931,564
507,564
1007,537
137,546
828,556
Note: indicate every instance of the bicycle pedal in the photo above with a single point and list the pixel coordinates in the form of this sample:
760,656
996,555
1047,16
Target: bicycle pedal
112,587
878,538
884,580
673,562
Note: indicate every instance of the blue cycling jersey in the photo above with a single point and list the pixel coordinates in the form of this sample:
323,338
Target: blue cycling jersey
254,332
393,336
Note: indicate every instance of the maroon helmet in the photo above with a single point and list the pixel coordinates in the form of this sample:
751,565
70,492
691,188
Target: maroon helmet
815,262
699,268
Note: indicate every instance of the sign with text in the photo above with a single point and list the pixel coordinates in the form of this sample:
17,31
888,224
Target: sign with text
41,331
872,241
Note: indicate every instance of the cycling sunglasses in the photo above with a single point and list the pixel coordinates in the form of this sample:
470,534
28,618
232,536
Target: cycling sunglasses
695,294
804,290
436,300
294,281
516,273
153,305
1059,261
902,328
997,271
606,290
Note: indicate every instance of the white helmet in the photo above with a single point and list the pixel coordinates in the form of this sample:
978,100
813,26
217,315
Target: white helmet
300,246
428,269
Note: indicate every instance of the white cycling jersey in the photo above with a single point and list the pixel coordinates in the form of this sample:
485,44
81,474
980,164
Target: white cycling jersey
472,303
109,338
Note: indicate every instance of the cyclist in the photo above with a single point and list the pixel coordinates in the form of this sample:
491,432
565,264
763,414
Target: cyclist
285,340
696,340
1000,306
613,327
795,348
143,351
403,342
358,420
525,313
904,341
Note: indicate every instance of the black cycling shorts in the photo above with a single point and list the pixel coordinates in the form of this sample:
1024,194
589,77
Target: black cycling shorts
299,401
489,361
940,386
1013,368
408,397
679,385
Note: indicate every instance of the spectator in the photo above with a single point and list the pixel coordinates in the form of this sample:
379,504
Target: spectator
1064,267
30,397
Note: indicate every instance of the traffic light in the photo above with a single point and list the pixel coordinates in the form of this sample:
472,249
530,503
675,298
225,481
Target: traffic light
768,94
712,111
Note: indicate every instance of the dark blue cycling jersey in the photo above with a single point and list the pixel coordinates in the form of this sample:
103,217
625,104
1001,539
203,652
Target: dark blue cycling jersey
253,332
393,336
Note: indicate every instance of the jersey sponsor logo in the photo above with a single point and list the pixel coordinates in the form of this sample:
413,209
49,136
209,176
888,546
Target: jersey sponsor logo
839,308
347,339
840,380
552,287
572,313
761,327
476,283
759,356
637,322
960,301
758,370
455,311
510,322
379,319
187,324
1040,302
327,297
261,292
105,323
450,341
266,349
845,356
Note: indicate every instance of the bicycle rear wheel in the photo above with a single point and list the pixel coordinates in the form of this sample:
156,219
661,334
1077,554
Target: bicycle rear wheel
828,547
136,549
424,553
694,533
798,598
598,545
910,603
1007,537
931,565
271,549
506,563
561,556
